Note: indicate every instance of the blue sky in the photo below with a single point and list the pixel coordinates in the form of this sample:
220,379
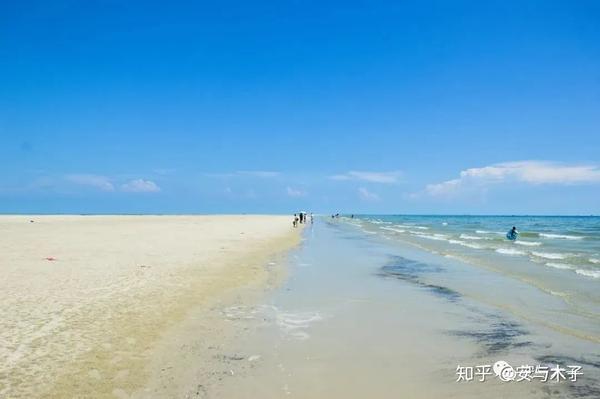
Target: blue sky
229,107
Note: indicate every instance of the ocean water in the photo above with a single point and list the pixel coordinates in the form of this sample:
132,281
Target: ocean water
389,306
571,244
559,256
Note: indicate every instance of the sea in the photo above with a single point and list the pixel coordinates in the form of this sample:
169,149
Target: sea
557,255
404,306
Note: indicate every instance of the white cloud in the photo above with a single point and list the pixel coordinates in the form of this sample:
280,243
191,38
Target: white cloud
102,183
366,195
295,192
530,172
140,186
372,177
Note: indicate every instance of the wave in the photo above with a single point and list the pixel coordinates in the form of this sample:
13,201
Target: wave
528,243
296,324
594,260
444,223
509,251
393,229
431,237
561,236
465,244
489,232
558,293
417,233
468,237
588,273
559,266
377,221
551,255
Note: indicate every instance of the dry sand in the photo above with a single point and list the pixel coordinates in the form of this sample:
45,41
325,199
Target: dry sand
127,306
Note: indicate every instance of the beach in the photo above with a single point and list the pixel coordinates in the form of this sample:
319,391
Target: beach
248,306
369,312
127,306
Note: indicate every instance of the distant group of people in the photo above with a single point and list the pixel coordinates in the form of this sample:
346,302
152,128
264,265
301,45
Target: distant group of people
337,215
302,217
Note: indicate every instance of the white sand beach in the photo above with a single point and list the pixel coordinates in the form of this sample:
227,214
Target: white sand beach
100,306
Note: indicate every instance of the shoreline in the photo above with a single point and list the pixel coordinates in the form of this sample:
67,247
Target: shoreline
364,317
120,291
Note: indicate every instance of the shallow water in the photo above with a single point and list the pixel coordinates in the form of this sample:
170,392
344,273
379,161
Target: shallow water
368,315
556,255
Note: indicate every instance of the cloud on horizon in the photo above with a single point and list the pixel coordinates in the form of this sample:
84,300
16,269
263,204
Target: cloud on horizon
371,177
140,186
528,172
101,183
104,183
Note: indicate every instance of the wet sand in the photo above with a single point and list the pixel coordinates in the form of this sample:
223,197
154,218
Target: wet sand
362,317
127,306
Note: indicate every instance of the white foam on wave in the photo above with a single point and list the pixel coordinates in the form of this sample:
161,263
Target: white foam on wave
296,324
293,324
431,237
528,243
489,232
509,251
468,237
561,236
594,260
588,273
551,255
457,257
393,229
444,223
558,293
465,244
377,221
415,232
559,266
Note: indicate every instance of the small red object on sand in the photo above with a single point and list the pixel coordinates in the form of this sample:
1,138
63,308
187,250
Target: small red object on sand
50,258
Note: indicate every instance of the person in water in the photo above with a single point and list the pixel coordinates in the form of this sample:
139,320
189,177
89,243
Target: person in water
512,234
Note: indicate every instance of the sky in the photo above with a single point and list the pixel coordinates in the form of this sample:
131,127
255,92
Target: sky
425,107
